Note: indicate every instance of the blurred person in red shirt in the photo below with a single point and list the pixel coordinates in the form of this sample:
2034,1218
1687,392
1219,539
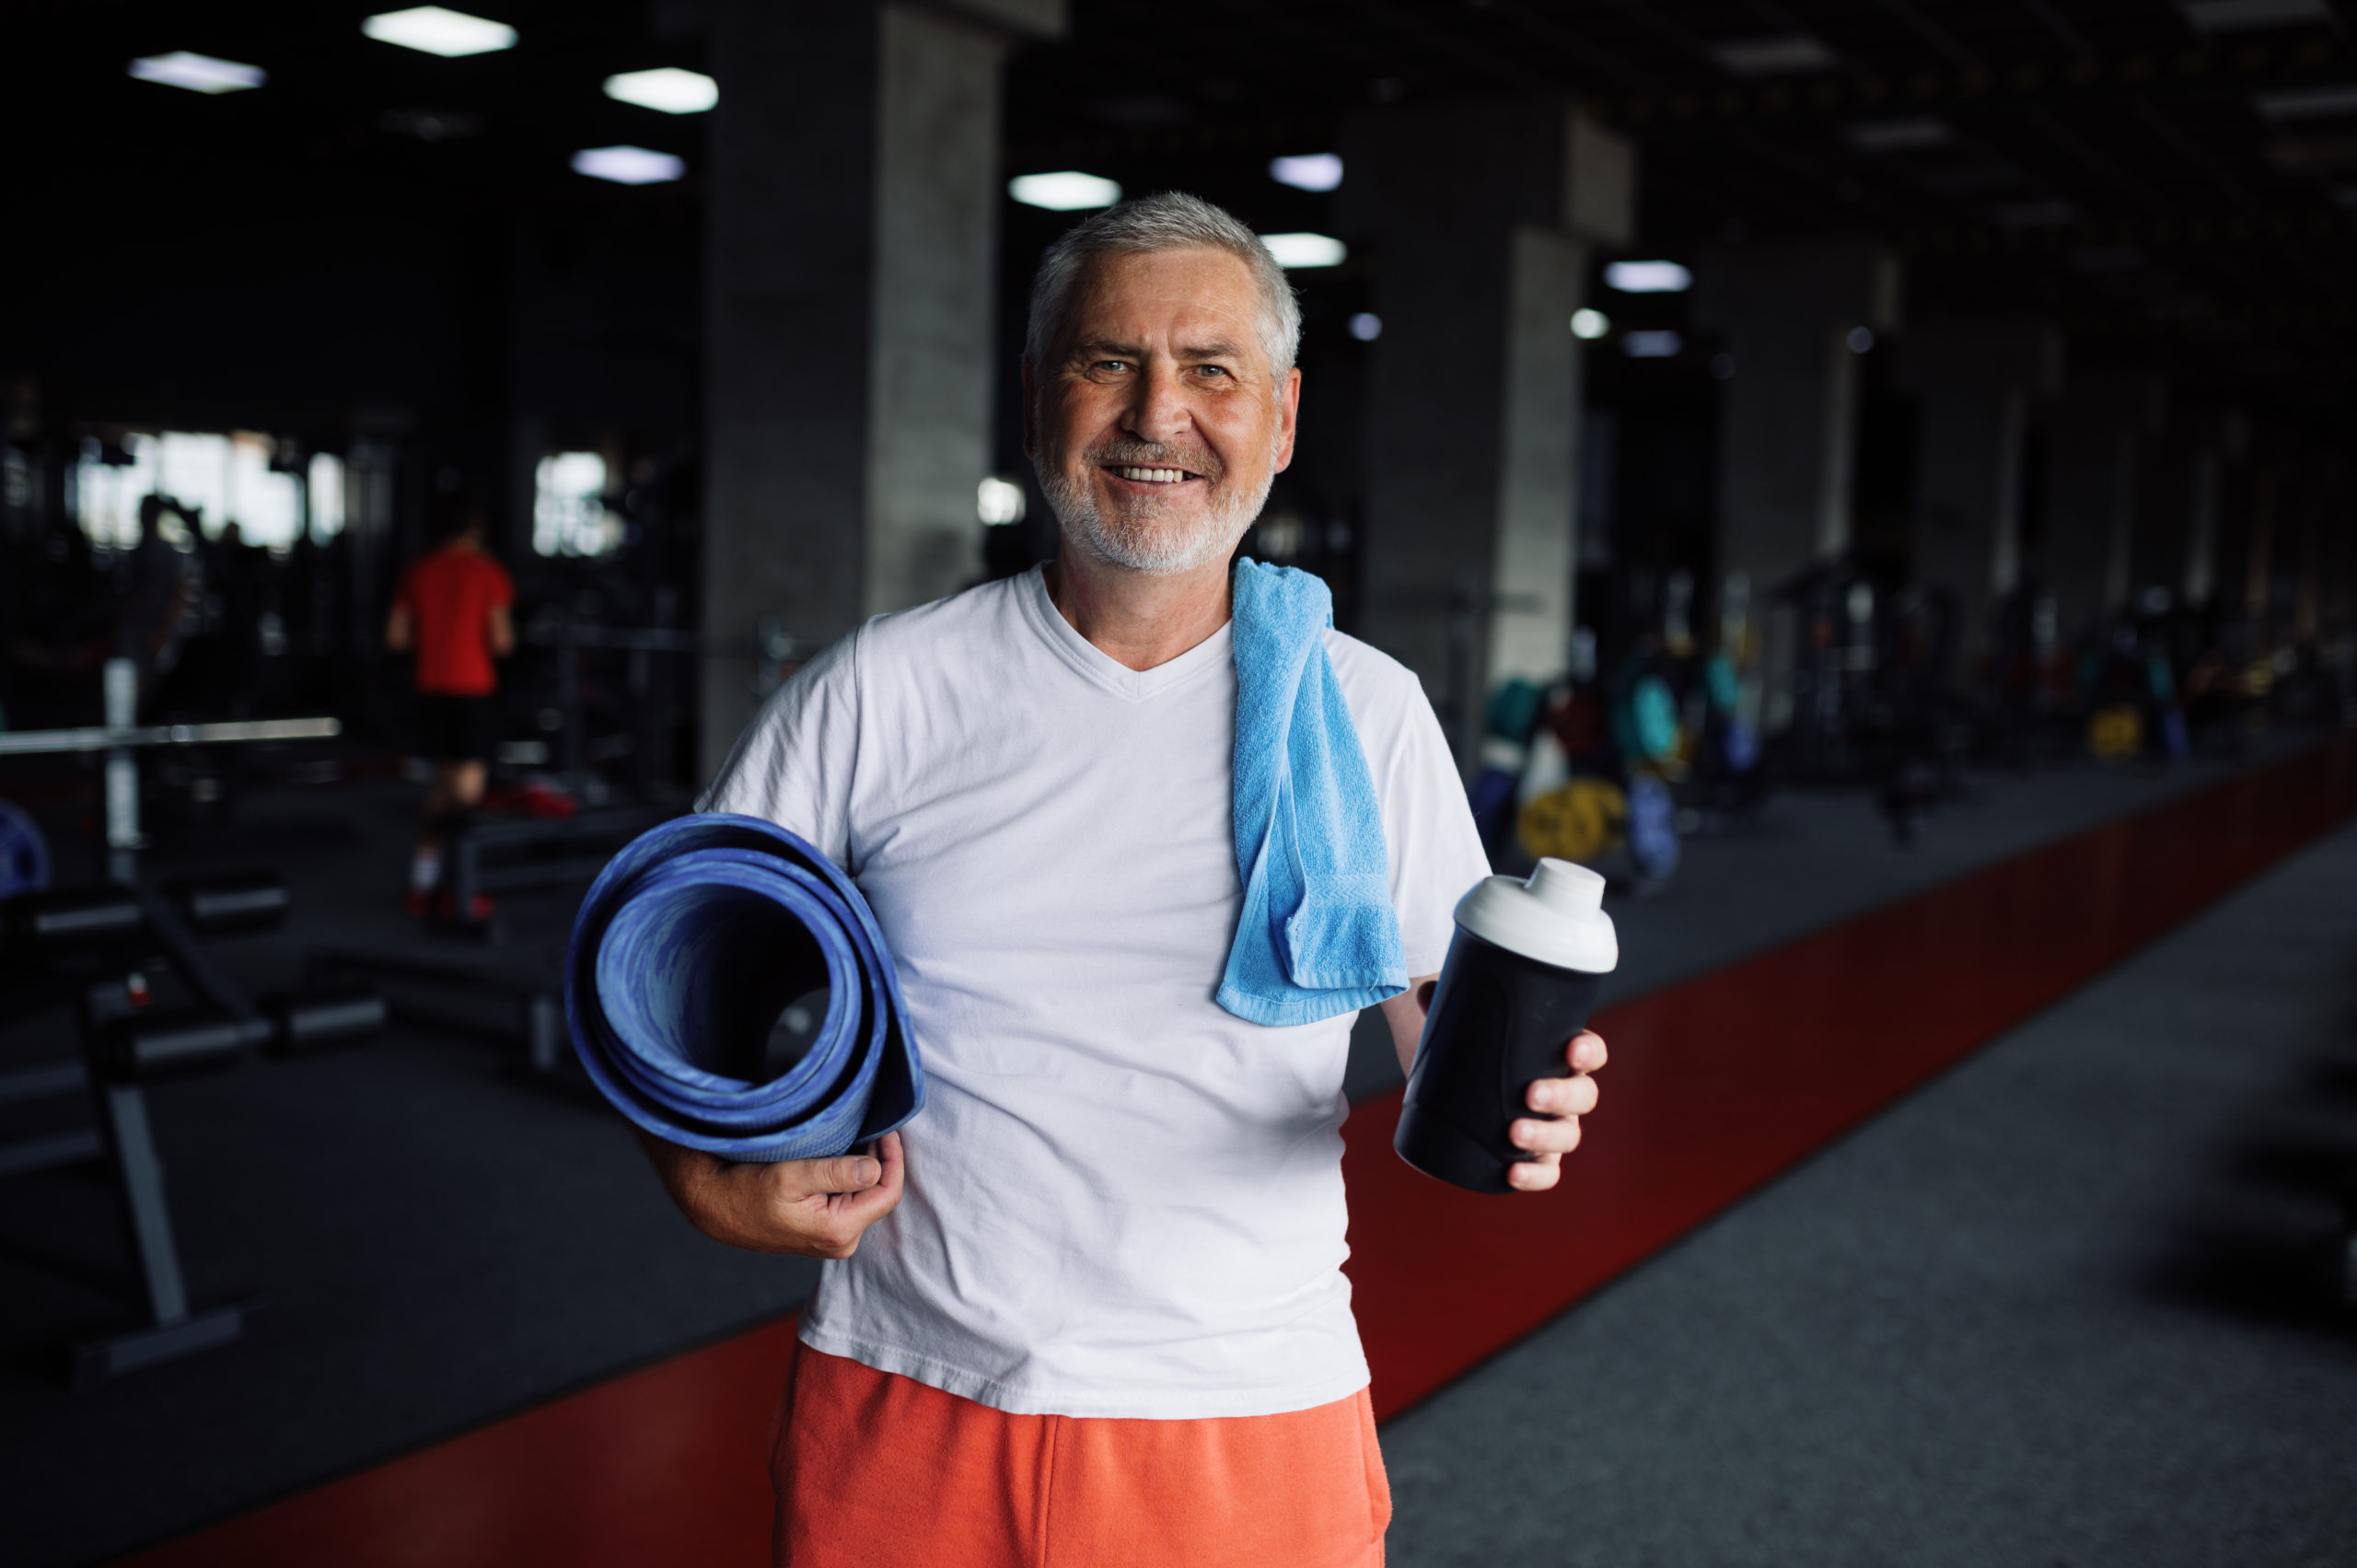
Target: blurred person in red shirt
452,608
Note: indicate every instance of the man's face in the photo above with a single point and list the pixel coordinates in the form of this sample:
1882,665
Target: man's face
1157,434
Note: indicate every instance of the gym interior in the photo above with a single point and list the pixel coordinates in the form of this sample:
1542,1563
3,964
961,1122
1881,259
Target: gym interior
1877,481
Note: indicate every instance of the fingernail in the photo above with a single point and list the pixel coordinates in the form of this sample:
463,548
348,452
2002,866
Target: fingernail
870,1171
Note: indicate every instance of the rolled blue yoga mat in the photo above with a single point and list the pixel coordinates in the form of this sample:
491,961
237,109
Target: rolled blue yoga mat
690,943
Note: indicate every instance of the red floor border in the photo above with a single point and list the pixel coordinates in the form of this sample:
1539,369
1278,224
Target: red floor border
1720,1082
1716,1085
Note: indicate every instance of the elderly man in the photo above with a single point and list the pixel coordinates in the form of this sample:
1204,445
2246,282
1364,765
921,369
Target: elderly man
1089,1309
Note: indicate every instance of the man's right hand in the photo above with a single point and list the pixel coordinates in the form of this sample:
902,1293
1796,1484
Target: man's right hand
809,1208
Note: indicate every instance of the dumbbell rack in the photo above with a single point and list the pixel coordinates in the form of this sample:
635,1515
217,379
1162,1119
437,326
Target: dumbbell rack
126,1045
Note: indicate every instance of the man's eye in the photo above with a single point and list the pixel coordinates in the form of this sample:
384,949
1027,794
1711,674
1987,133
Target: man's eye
1210,370
1112,365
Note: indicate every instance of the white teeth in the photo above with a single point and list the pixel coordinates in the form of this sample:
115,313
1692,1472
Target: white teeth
1152,476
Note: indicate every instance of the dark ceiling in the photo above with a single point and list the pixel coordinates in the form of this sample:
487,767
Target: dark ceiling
2108,163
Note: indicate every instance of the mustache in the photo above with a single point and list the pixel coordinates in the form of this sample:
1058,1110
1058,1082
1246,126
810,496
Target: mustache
1153,454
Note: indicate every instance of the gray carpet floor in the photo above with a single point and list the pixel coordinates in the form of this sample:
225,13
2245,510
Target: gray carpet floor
436,1246
2073,1303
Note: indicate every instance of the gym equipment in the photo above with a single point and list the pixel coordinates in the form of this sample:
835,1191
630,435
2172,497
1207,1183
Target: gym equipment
1582,821
55,921
24,853
1522,971
1652,828
226,905
2116,732
698,936
528,1019
650,700
126,1045
1644,719
484,855
1511,722
109,738
122,739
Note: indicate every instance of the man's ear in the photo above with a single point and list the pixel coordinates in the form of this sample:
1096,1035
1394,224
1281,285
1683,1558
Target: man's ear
1288,411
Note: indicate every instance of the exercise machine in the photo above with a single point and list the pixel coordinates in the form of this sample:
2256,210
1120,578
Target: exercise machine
95,949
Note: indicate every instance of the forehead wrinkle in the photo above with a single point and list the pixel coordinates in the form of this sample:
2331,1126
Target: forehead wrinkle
1107,345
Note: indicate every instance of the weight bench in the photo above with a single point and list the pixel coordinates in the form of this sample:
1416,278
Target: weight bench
126,1045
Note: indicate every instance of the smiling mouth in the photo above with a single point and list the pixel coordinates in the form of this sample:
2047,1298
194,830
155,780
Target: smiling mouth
1137,475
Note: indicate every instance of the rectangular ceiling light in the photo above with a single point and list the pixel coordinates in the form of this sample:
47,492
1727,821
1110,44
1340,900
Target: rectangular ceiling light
1780,56
1658,343
198,73
2206,16
1305,250
435,30
628,166
1912,134
1307,171
1066,191
2306,103
670,89
1647,277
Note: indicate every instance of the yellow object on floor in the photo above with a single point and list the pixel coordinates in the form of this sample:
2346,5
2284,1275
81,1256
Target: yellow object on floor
2116,732
1580,821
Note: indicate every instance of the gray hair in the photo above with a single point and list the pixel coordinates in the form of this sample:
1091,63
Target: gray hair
1167,221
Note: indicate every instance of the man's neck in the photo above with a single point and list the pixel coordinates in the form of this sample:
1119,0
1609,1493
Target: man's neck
1138,619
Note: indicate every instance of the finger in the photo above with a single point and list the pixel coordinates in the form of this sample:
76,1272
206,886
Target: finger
1563,1097
1586,1053
889,1155
864,1208
1537,1137
1534,1176
844,1173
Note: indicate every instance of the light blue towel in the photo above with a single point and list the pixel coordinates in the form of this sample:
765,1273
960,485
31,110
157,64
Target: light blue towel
1319,935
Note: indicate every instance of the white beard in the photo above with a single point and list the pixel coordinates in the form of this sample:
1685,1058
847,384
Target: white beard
1144,539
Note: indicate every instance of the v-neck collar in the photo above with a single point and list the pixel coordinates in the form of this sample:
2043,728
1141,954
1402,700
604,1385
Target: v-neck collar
1095,664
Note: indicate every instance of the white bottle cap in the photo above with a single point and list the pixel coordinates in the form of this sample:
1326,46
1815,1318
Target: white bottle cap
1556,917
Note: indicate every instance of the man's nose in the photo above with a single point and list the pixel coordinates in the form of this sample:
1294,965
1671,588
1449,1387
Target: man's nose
1157,410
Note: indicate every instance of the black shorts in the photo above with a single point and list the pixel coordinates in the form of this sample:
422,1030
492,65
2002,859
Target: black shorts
456,729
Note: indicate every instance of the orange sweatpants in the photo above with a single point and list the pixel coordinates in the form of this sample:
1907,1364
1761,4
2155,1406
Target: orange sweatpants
873,1468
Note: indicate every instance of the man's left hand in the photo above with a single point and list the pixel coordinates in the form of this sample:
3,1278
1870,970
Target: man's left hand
1554,1131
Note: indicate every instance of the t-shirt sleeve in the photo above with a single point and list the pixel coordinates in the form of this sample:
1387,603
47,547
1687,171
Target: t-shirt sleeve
1428,828
795,763
1436,854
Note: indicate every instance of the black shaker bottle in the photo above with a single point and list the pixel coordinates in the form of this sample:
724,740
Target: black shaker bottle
1522,972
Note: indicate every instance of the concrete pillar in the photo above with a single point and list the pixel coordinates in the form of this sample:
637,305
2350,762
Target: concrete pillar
2338,641
2340,552
2308,590
850,298
2090,499
1788,419
1977,382
2200,579
1482,216
2259,558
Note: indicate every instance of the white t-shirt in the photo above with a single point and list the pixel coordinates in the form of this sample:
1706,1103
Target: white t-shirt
1122,1200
